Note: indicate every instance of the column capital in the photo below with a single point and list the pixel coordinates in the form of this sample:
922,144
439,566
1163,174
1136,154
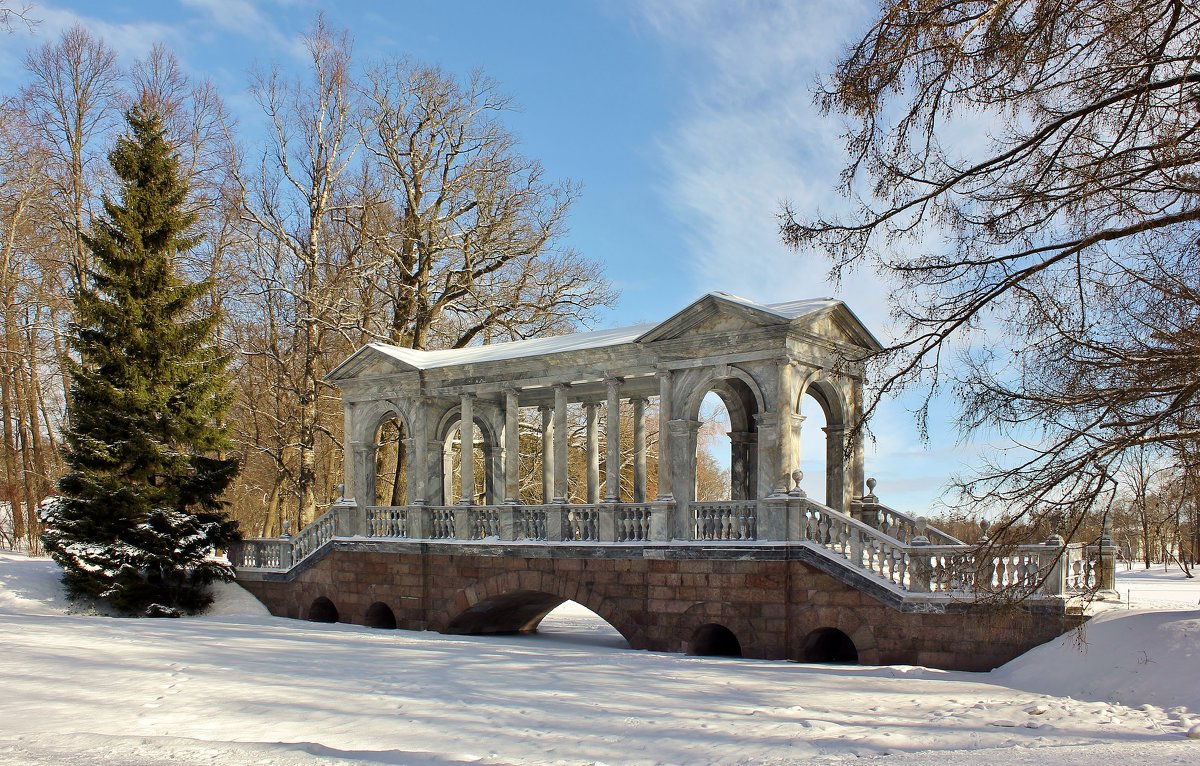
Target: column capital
683,426
562,386
613,379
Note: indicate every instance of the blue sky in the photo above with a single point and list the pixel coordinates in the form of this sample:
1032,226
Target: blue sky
687,122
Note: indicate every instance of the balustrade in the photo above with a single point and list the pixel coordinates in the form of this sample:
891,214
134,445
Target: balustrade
387,521
912,565
724,520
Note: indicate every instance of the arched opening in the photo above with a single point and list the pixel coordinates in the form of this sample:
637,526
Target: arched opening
380,615
517,612
713,640
391,463
814,448
455,450
714,451
539,612
726,414
829,645
322,610
573,622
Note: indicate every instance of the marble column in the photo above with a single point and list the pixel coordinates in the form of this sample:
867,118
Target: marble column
639,450
547,453
683,472
741,465
665,487
560,443
836,496
612,439
466,450
512,447
593,452
419,465
364,470
787,452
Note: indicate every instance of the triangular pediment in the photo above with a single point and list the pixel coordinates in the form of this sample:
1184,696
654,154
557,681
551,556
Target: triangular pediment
714,313
719,312
840,325
373,360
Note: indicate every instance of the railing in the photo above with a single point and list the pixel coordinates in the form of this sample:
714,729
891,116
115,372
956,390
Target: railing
863,546
913,565
387,521
314,535
725,520
633,522
1081,567
261,553
901,526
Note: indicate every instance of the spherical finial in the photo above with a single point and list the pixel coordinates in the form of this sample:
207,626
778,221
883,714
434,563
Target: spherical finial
922,525
797,476
871,485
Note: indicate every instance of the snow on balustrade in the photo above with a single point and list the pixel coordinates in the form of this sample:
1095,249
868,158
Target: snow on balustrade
725,520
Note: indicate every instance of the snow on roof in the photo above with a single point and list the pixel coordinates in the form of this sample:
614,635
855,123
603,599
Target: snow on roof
426,360
513,349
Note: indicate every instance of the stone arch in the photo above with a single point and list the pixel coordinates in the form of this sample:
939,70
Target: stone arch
492,452
380,615
713,640
831,398
322,609
743,400
705,613
829,645
841,618
391,463
517,602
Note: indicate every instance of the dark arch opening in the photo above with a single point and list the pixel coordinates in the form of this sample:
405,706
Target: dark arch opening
831,646
713,640
322,610
380,615
517,612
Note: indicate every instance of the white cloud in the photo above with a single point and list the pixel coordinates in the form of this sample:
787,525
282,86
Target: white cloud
247,18
130,40
749,137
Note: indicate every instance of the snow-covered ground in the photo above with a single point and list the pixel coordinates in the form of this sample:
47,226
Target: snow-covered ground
239,686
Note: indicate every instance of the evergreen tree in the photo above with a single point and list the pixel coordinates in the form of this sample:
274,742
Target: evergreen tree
140,511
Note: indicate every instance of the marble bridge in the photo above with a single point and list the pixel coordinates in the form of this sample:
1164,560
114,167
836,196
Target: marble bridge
446,542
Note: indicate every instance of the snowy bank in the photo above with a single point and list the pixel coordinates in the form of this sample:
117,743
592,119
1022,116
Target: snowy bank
241,686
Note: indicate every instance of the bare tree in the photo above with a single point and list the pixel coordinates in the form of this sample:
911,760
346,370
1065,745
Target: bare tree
469,232
291,203
1062,252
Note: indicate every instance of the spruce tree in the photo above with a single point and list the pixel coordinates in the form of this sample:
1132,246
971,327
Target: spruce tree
140,510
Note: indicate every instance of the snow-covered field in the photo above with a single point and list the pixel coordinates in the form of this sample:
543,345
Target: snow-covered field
239,686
